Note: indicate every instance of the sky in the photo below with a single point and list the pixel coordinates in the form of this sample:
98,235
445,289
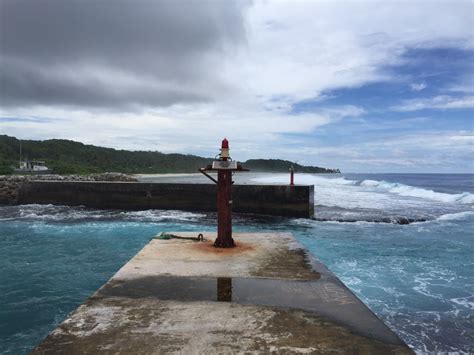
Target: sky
364,86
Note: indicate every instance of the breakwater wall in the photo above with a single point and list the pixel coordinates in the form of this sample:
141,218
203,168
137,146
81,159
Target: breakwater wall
10,184
278,200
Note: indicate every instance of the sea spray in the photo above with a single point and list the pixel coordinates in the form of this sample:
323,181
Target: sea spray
345,199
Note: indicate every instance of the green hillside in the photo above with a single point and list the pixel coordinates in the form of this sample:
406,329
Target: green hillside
69,157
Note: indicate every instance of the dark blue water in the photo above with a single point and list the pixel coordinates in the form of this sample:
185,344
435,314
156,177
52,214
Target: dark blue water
418,278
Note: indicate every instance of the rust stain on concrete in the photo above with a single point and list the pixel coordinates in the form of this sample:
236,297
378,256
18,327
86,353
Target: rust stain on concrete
208,247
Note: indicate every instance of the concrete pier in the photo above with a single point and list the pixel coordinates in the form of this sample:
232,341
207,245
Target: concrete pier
182,296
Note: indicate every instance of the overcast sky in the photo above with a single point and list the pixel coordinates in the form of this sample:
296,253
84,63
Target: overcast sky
365,86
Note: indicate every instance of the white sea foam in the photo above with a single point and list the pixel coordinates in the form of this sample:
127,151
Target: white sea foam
467,302
51,213
160,215
367,193
456,216
411,191
335,192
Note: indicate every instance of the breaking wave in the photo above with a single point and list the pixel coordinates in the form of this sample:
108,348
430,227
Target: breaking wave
456,216
348,200
374,186
411,191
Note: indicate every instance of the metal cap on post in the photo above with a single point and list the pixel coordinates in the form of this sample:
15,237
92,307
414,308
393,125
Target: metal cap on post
224,167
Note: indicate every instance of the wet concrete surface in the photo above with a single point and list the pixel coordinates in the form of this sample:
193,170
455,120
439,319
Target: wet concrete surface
266,295
323,297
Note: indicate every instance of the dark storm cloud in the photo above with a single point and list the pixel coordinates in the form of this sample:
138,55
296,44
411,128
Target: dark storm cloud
114,53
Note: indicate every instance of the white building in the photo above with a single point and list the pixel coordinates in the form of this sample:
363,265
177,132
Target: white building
32,166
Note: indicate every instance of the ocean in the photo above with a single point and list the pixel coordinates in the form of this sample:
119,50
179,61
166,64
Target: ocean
403,243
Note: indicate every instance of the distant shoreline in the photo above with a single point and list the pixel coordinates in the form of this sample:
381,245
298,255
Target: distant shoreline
163,175
78,158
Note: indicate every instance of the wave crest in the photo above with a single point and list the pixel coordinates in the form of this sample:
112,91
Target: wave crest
411,191
456,216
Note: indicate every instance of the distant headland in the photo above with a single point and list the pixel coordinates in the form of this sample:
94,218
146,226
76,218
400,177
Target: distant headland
70,157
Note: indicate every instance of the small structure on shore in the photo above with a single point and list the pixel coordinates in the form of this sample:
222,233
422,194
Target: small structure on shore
225,167
33,167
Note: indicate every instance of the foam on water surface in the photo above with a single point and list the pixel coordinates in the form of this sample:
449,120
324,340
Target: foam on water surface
345,199
456,216
51,213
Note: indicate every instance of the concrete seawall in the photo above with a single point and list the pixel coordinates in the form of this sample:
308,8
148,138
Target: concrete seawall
278,200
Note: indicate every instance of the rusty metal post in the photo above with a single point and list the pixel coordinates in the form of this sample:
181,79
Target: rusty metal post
224,166
224,203
292,176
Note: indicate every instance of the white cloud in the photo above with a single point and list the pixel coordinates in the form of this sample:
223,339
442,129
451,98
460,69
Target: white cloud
293,51
440,141
199,130
464,87
437,102
418,86
300,50
431,151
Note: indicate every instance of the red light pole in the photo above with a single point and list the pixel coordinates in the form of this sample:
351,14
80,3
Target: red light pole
224,202
224,167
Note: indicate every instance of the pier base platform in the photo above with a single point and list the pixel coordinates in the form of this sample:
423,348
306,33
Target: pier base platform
182,296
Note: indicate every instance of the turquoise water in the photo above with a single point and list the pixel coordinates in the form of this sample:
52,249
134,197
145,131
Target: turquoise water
418,278
49,268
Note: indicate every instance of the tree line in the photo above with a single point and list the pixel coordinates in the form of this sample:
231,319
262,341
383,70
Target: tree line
69,157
